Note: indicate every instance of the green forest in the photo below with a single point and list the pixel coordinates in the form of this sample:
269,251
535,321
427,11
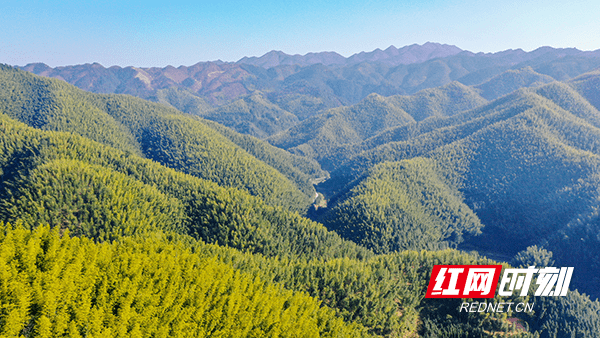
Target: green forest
122,217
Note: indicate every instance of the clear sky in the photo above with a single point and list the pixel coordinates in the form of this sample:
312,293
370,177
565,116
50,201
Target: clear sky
173,32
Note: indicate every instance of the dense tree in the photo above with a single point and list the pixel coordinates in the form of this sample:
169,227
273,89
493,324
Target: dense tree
533,256
404,205
148,129
193,235
53,285
67,180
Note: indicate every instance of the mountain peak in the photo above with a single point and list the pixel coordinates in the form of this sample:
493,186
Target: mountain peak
414,53
276,58
393,56
37,67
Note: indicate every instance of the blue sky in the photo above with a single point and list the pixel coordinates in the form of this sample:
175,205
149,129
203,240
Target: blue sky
172,32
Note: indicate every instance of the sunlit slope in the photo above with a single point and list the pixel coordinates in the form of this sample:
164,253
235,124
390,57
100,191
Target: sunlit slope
510,81
531,174
177,288
588,86
68,181
183,100
95,190
421,138
418,139
134,288
298,169
446,100
401,206
334,136
148,129
316,136
253,115
527,165
54,105
523,176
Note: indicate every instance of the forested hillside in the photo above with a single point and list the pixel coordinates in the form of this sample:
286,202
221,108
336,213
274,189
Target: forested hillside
68,179
526,166
95,191
309,84
151,130
253,115
315,136
142,288
329,137
404,205
175,225
512,80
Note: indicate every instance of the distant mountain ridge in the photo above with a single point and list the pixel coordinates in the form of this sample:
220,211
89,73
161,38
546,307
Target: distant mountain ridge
392,56
306,85
221,82
217,81
277,58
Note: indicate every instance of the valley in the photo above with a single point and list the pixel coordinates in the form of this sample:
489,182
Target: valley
322,186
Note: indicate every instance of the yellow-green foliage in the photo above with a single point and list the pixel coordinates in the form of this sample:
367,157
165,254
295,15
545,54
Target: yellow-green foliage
153,283
35,163
91,200
381,293
385,293
55,105
53,285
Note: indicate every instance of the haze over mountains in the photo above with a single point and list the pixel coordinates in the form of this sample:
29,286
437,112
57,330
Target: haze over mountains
388,72
391,56
306,85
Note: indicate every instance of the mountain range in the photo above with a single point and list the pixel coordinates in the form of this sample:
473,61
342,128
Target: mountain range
391,56
313,192
382,70
307,85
